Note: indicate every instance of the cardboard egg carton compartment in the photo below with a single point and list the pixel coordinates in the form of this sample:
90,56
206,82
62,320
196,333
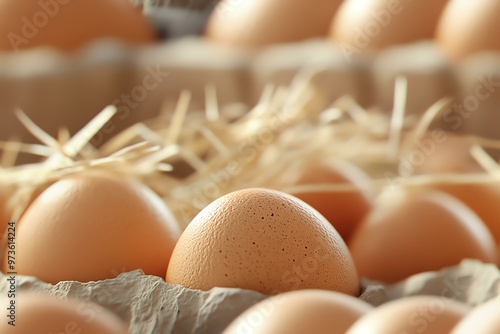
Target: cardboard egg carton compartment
57,90
151,306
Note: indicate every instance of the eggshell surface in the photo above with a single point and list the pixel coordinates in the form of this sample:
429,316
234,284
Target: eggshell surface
412,315
409,233
256,23
70,24
469,27
4,215
263,240
38,314
94,226
454,155
298,312
343,209
484,318
361,25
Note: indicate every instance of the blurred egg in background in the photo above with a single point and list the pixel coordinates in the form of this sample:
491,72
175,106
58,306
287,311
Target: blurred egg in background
485,318
70,25
363,25
343,209
468,27
257,23
44,314
412,315
305,311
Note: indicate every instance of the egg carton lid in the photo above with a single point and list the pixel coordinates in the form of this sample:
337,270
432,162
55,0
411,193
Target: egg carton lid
151,306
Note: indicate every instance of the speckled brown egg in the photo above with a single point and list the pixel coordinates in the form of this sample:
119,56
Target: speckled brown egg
263,240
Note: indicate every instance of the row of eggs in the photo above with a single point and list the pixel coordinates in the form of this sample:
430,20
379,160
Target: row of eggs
404,230
256,239
461,27
306,311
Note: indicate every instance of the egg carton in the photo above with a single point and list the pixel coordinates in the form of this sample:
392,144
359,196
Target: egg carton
57,90
149,305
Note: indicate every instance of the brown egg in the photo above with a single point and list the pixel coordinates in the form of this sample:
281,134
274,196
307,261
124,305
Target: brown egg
69,25
344,209
361,25
256,23
453,156
39,314
483,199
299,312
484,318
412,232
469,27
94,226
4,215
263,240
6,207
412,315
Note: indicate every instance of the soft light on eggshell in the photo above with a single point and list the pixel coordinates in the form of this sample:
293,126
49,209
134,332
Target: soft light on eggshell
454,156
412,315
94,226
451,155
256,23
482,198
298,312
362,25
412,232
4,215
37,314
468,27
262,240
484,318
70,24
343,209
